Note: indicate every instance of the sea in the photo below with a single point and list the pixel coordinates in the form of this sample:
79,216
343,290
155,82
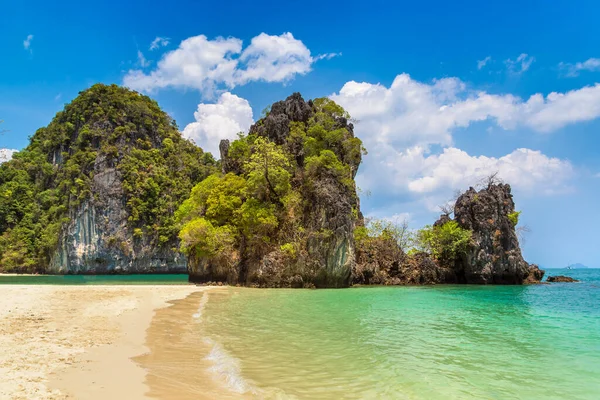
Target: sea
425,342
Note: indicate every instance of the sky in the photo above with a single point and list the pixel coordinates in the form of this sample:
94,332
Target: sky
442,93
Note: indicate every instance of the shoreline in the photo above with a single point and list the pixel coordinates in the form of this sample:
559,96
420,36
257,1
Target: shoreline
77,341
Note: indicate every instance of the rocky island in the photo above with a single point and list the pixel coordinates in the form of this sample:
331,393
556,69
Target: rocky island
110,186
95,190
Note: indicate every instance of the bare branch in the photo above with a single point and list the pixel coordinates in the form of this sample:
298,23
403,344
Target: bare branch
448,207
522,232
489,181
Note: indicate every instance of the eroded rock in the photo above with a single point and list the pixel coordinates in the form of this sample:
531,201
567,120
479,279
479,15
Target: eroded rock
561,278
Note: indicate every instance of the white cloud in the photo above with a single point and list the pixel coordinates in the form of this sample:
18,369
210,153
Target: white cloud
208,65
273,59
142,62
520,65
328,56
484,62
159,42
400,124
526,170
197,64
572,70
223,120
58,97
6,154
390,172
556,110
27,43
415,113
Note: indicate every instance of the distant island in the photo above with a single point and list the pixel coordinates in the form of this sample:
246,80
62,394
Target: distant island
577,266
111,186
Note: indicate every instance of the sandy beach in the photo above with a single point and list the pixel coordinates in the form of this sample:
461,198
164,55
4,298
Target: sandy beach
76,342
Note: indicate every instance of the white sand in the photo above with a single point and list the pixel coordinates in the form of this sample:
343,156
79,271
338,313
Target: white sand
75,342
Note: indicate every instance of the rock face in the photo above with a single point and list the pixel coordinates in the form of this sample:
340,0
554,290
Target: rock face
381,262
313,244
98,239
561,278
494,255
106,176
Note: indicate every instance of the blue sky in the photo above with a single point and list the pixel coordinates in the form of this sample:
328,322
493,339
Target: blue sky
442,91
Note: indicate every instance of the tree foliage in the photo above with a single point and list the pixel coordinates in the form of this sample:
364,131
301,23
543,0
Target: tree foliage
445,242
513,217
396,231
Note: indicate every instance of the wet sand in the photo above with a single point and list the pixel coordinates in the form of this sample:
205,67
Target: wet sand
76,342
182,364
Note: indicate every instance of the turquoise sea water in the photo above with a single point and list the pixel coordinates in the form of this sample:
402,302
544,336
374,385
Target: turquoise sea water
436,342
138,279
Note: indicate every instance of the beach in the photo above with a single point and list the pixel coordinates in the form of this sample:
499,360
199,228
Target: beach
187,342
76,342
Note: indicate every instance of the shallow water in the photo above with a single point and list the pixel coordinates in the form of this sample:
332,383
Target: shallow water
436,342
134,279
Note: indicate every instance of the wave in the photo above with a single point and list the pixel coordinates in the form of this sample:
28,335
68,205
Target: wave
198,315
227,369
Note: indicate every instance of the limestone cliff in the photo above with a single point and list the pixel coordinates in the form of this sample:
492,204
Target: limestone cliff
296,207
494,255
95,190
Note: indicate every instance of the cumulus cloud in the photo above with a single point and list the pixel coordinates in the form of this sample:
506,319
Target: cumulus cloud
197,64
526,170
207,65
416,113
6,154
484,62
159,42
273,59
520,64
402,123
223,120
27,43
573,70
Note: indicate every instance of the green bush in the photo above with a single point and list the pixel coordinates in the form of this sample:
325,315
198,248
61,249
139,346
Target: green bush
513,217
383,229
446,242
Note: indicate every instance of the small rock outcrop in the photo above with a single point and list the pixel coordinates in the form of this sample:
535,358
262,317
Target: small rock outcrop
494,255
380,261
489,253
561,278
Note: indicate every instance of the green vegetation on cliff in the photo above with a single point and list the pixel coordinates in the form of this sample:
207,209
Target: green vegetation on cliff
265,204
445,242
105,127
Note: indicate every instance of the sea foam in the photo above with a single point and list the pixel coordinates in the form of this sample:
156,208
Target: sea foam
227,368
198,315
